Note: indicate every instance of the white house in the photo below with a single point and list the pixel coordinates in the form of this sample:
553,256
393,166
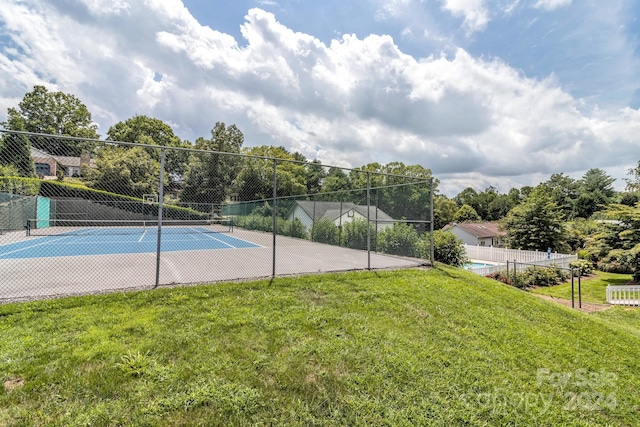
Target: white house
337,212
477,233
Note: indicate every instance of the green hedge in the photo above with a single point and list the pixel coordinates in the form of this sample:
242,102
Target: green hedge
20,185
56,189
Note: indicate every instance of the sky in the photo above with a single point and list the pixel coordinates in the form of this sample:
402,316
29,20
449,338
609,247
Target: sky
498,93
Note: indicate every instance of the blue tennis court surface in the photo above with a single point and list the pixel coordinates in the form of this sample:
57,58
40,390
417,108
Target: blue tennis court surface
94,242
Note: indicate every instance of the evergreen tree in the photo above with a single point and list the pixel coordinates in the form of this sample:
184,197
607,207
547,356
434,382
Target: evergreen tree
535,224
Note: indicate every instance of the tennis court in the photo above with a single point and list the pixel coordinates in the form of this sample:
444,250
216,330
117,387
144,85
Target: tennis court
71,241
88,261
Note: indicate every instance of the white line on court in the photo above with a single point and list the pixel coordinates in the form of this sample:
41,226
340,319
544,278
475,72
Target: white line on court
32,246
218,240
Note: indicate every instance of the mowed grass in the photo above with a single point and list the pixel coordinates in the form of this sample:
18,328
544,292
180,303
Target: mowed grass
403,348
594,289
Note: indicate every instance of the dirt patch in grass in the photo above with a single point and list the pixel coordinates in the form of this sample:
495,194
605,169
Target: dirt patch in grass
587,307
13,383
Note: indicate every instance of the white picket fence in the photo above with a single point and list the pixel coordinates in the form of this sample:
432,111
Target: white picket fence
500,256
623,295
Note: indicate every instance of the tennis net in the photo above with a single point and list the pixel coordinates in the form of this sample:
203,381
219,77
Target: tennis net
66,227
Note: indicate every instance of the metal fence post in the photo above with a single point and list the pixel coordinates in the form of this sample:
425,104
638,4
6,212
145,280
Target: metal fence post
573,304
432,251
579,288
313,221
160,203
275,215
368,220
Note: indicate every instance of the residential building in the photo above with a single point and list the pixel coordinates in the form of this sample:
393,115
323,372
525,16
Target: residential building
478,233
48,165
339,213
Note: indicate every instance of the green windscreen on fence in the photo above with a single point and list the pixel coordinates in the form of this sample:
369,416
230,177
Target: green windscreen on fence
15,210
43,212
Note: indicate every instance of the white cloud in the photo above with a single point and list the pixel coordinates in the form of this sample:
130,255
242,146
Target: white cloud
551,4
349,102
474,12
107,7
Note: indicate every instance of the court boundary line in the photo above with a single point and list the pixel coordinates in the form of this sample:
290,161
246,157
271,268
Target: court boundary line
29,247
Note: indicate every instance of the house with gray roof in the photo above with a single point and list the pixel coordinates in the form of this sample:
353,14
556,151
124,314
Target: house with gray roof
477,233
339,213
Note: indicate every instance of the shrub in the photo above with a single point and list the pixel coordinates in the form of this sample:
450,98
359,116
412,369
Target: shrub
584,254
447,248
586,267
618,261
264,210
400,239
355,234
543,276
255,222
325,231
293,228
20,185
500,276
532,276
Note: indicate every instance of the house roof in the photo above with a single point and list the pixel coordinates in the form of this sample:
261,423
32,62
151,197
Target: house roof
65,161
332,210
481,230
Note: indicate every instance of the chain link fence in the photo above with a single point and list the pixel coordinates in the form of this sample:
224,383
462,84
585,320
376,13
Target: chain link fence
87,216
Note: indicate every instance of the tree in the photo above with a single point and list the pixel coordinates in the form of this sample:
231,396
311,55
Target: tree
466,214
151,131
536,224
363,176
209,176
336,185
627,226
53,113
315,174
405,191
616,246
499,207
633,183
596,191
255,179
129,171
565,192
483,203
515,196
15,153
466,197
444,210
525,191
480,202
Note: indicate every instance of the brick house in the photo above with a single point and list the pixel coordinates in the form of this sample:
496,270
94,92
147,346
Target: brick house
48,165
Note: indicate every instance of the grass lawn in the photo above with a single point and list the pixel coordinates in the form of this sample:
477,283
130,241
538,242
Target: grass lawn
416,347
594,289
627,318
